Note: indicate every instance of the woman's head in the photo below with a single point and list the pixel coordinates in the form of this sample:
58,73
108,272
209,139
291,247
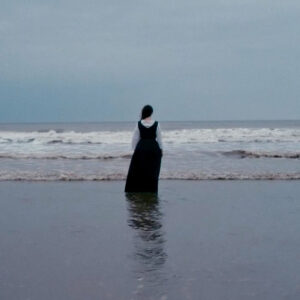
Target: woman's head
146,112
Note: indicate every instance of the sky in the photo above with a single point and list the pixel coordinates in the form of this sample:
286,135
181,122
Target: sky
102,60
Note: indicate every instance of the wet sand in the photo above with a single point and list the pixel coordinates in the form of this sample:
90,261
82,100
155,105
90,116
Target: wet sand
196,240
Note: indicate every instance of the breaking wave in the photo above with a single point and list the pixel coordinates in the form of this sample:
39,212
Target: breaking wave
232,153
61,156
259,154
189,136
36,176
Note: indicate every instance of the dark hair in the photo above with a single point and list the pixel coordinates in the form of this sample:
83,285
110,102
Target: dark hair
146,112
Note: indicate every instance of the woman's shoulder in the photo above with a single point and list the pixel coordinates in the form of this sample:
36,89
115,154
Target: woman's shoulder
147,123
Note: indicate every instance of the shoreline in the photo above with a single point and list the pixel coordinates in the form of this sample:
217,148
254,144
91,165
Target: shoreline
218,179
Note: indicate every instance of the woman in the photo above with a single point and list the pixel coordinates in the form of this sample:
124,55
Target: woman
145,163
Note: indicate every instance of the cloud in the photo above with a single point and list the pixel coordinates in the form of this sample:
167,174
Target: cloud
173,51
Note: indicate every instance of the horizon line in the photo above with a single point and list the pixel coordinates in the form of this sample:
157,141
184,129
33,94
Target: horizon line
125,121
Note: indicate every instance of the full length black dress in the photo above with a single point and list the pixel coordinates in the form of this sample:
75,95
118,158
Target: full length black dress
145,163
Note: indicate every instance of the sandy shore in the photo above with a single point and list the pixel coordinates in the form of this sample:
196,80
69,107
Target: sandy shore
197,240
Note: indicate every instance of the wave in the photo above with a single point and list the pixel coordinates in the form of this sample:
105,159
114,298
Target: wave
35,176
67,157
74,143
182,136
260,154
53,137
232,153
234,176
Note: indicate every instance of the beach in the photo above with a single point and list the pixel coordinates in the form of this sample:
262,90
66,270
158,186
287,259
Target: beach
195,240
101,97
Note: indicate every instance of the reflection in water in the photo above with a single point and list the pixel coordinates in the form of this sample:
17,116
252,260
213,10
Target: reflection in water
149,256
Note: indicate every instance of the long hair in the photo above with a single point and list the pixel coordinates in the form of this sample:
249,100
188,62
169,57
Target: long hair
146,112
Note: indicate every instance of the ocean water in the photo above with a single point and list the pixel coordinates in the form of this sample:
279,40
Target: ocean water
224,150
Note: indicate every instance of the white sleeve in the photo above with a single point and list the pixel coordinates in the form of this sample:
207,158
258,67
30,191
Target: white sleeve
135,137
158,137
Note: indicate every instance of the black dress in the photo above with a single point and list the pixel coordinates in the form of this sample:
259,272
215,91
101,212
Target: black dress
145,163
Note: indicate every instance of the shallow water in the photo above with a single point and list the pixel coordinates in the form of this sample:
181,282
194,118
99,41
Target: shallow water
195,240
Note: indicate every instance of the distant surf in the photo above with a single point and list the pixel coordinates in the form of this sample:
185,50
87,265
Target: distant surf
235,150
190,136
259,154
67,157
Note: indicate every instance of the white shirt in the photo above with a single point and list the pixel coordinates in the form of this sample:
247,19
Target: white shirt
136,134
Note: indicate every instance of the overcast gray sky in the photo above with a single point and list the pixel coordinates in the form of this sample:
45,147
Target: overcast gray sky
98,60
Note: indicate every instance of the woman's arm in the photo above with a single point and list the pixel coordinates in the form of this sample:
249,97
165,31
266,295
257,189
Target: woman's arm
135,137
159,137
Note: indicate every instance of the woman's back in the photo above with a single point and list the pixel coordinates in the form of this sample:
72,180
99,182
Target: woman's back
147,132
145,163
150,128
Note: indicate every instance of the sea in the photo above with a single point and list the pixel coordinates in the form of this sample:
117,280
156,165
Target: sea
193,150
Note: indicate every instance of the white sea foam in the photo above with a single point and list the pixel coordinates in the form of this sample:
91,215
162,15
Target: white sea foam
68,137
261,154
127,155
72,176
189,154
182,136
58,156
